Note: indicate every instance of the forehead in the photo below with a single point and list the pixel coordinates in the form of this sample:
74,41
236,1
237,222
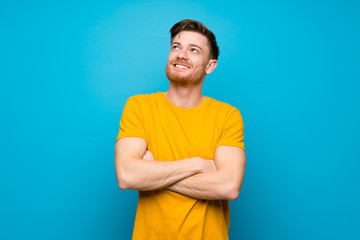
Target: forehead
191,38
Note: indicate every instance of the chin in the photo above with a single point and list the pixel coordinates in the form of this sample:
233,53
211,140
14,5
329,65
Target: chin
186,81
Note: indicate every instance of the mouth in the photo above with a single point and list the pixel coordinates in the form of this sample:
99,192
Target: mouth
181,66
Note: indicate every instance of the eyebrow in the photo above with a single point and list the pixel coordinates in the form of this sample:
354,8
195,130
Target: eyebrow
193,45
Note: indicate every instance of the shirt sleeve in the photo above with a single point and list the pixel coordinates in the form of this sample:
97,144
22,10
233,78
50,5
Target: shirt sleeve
232,133
131,122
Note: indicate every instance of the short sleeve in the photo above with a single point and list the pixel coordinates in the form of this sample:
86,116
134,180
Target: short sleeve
232,133
131,122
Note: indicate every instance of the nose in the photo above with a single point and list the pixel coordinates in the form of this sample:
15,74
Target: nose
182,54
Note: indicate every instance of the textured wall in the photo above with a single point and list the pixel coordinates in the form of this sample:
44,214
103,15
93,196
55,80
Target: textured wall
66,70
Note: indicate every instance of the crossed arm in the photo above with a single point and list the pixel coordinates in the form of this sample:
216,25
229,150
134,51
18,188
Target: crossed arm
195,177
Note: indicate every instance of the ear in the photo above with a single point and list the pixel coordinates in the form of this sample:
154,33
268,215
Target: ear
211,66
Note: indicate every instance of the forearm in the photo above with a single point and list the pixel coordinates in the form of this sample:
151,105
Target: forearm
210,185
140,174
135,171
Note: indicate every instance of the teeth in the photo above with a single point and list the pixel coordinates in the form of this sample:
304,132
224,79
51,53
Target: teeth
180,66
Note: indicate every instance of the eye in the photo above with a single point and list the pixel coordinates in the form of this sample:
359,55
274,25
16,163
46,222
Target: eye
194,50
175,47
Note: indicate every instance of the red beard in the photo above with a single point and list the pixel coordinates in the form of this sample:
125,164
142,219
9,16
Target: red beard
189,80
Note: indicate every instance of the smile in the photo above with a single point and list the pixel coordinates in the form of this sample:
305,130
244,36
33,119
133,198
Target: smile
181,66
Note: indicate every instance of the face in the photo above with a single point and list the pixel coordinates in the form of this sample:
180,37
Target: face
189,61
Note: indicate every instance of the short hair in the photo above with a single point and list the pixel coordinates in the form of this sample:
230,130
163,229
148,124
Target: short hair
195,26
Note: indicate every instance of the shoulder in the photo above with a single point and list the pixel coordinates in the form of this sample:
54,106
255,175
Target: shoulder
144,98
223,107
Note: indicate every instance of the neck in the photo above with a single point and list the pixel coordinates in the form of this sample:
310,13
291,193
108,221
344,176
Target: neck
185,97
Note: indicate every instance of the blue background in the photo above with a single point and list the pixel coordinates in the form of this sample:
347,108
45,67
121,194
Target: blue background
67,68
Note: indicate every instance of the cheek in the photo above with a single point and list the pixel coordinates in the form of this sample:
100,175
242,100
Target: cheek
170,59
171,55
200,65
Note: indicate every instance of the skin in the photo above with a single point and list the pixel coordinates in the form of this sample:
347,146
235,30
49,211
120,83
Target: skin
192,50
219,178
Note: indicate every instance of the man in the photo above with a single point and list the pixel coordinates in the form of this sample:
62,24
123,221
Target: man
183,151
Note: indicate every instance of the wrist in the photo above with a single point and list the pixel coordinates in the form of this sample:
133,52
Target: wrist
195,165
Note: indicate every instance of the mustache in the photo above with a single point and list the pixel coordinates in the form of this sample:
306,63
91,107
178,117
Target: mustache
185,63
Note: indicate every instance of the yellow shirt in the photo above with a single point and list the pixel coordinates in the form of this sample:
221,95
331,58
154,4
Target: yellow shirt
175,133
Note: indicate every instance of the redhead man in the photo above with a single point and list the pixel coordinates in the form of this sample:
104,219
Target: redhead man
182,150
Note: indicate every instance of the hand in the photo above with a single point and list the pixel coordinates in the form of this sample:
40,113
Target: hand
148,156
206,165
209,165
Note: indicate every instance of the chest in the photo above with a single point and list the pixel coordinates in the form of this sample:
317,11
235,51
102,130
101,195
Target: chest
174,135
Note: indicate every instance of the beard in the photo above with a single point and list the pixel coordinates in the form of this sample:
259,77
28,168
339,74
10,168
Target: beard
189,80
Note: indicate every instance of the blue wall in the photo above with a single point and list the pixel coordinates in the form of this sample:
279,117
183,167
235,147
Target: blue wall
291,67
